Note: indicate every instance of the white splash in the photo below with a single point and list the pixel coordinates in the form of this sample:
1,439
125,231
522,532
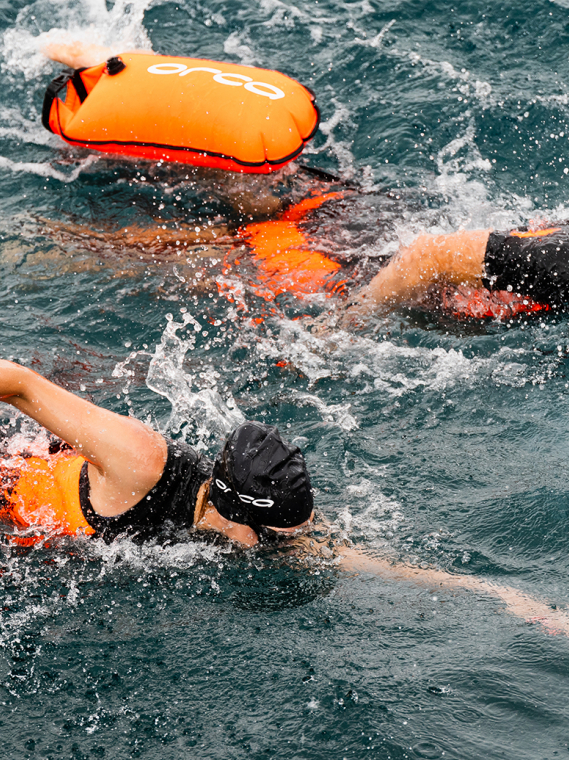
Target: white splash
377,519
202,410
393,369
124,553
46,169
119,27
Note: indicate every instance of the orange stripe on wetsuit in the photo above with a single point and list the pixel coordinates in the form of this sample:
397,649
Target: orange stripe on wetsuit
46,497
535,233
286,262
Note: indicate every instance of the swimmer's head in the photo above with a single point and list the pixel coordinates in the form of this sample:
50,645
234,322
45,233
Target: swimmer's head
260,480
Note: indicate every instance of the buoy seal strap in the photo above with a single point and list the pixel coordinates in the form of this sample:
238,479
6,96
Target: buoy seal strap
188,110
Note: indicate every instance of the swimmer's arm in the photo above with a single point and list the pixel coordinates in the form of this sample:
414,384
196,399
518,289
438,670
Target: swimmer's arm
126,456
148,239
517,602
77,54
456,259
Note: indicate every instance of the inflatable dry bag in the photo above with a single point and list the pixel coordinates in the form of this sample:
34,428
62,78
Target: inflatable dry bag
188,110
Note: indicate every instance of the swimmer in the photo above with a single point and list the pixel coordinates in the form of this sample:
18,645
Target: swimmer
532,264
128,479
118,477
481,273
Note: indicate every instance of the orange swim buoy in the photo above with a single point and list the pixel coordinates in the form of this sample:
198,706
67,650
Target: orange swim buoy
187,110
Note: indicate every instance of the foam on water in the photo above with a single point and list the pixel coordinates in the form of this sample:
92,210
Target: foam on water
90,21
340,149
376,518
201,413
392,368
283,15
376,41
24,130
239,46
46,169
469,88
337,414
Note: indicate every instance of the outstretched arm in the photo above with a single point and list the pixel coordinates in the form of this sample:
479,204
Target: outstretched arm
456,259
77,54
517,602
126,457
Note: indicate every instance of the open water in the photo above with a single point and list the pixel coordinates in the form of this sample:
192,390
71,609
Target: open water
431,441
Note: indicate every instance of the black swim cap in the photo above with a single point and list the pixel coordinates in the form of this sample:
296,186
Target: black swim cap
258,479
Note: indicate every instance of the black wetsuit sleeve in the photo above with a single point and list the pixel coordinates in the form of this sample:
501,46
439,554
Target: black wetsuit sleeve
171,501
536,266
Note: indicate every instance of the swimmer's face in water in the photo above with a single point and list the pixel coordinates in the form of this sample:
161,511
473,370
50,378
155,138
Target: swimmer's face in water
268,533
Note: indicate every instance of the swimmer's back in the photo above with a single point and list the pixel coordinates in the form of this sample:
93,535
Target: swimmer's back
530,262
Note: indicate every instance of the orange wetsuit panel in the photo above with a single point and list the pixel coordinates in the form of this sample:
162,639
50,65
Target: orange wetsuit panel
535,233
47,496
285,256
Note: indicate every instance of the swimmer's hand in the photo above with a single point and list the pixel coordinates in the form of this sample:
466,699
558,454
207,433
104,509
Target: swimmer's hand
78,54
323,325
360,310
355,316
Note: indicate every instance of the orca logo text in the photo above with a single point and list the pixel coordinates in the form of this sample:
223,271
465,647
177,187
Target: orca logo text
233,80
266,503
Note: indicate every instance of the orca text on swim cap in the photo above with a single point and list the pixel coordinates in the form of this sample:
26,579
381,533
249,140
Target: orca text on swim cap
266,503
243,81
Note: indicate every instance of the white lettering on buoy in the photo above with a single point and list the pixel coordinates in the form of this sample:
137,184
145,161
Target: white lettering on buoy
222,80
199,68
274,93
167,68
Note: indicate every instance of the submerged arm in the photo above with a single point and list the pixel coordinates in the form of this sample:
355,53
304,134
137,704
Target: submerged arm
517,602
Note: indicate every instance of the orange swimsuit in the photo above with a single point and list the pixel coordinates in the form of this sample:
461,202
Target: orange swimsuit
50,496
45,496
286,258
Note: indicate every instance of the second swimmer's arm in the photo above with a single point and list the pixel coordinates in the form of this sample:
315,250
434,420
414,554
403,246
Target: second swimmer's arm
517,602
77,54
456,259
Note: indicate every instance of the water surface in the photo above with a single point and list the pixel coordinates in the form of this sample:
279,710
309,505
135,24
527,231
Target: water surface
433,441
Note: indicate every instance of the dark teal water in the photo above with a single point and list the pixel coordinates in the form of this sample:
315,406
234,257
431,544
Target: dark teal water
429,440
